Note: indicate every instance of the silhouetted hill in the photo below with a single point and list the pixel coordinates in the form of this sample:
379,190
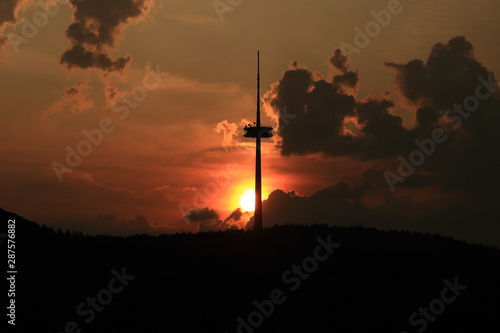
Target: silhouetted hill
373,282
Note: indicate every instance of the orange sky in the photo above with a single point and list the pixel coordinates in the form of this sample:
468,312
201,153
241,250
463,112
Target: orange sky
167,148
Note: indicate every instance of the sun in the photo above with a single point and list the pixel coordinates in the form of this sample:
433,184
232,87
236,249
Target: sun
248,201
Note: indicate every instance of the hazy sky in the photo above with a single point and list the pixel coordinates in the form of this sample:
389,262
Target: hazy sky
171,136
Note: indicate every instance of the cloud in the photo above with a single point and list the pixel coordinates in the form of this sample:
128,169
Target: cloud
74,99
449,74
208,219
162,188
235,216
319,108
332,121
342,77
463,217
8,11
339,204
230,131
96,27
202,215
382,132
323,106
439,88
8,15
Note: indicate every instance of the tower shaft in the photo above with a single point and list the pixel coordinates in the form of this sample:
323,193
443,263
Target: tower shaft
258,189
258,175
258,133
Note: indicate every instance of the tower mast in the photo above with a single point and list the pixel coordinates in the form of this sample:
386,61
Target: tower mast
258,175
258,132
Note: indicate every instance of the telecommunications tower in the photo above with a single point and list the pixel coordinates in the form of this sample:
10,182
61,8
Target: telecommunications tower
258,133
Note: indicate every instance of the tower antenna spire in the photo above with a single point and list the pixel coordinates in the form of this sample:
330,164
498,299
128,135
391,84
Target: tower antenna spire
258,88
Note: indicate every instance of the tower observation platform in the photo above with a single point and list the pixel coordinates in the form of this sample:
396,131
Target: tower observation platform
254,131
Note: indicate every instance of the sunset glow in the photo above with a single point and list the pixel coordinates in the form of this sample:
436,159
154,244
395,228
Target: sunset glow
248,201
134,126
171,160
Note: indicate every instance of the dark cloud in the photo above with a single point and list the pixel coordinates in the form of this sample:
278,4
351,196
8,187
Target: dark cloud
331,121
208,219
78,56
449,75
343,78
340,61
235,215
319,108
202,215
96,27
383,134
8,12
440,87
467,218
338,204
427,117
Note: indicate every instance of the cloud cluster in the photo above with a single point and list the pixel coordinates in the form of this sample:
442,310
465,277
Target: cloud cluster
96,27
472,219
332,121
441,89
323,109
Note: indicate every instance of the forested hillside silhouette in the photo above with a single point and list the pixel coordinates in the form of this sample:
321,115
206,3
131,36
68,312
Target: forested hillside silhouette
373,282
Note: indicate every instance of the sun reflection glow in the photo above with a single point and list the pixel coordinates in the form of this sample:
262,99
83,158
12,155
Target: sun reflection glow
248,201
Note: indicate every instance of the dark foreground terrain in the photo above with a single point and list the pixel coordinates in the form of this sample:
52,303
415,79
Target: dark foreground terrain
282,279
